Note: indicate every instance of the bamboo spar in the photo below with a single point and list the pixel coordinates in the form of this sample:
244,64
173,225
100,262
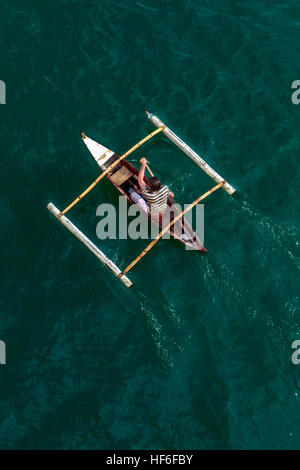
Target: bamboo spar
132,149
189,207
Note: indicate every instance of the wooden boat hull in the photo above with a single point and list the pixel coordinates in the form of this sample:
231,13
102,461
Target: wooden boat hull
104,157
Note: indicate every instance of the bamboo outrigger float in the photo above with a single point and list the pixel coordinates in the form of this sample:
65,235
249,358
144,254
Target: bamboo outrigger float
90,245
121,172
191,153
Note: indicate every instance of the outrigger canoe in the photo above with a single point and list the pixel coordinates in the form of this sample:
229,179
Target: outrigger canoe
121,173
125,175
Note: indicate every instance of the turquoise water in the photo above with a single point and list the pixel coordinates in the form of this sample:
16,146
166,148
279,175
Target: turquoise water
197,355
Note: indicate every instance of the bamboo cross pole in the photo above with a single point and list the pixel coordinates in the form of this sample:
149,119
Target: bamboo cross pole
132,149
165,229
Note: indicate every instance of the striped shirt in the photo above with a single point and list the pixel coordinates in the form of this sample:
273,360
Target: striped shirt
157,201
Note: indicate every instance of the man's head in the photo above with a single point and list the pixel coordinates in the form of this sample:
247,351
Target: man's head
154,184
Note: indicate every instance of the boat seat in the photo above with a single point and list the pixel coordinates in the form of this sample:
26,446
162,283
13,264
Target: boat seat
120,176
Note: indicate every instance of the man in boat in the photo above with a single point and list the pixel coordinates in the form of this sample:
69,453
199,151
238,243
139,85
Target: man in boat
156,194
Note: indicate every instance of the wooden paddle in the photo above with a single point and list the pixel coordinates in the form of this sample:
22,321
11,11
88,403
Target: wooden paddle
189,207
147,166
110,168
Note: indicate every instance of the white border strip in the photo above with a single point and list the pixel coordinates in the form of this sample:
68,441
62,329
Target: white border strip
190,152
90,245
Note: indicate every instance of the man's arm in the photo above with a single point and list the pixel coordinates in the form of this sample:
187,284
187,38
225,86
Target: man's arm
141,181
